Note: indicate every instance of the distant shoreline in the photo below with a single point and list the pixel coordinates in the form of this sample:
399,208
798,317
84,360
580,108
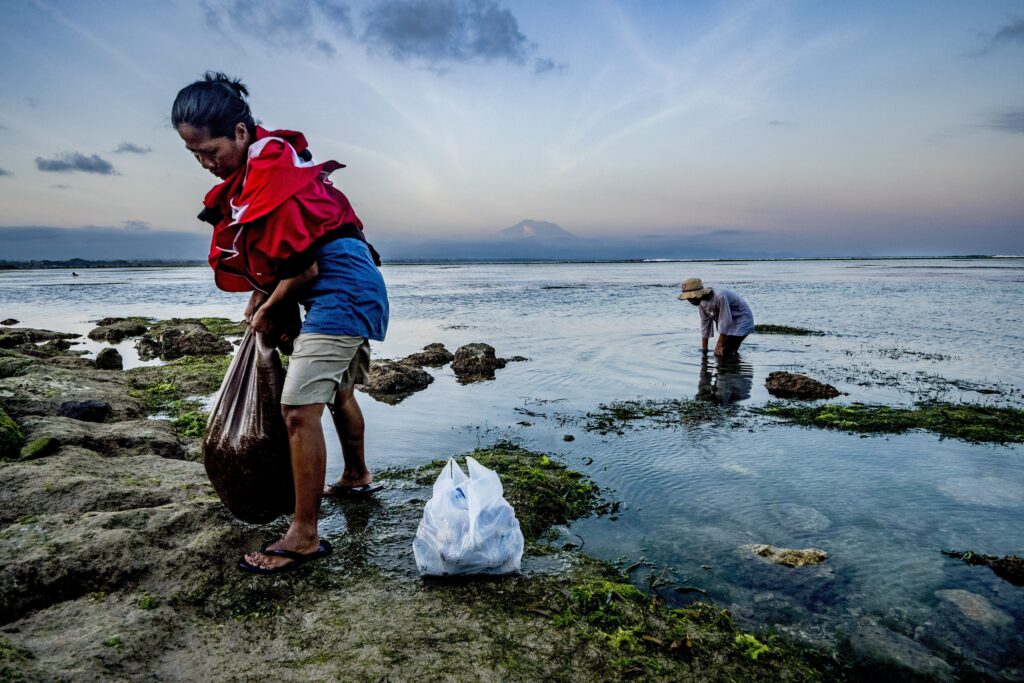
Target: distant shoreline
82,264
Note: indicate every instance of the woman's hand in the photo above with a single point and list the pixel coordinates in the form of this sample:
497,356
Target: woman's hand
260,320
257,299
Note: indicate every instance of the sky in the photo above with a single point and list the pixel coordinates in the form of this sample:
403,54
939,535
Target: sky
782,126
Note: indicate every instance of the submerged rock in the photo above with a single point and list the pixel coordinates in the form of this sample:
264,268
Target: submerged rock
976,608
109,359
790,557
433,355
168,342
391,381
793,385
115,330
86,411
875,643
1009,568
475,362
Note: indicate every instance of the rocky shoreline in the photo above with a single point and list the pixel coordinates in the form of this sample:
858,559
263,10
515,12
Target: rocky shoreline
119,563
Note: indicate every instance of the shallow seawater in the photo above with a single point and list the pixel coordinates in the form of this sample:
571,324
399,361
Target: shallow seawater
692,497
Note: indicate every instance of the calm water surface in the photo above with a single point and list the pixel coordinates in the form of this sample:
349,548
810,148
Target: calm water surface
882,507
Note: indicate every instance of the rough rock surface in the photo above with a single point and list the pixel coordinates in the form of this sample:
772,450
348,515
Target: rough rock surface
790,557
793,385
433,355
116,330
128,437
168,342
86,411
475,362
875,642
391,381
18,336
109,359
39,388
11,436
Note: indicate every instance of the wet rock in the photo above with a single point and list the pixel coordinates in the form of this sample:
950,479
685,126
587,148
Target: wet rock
1009,568
568,437
39,388
19,336
391,381
793,385
125,438
516,359
878,644
115,330
109,359
13,362
976,608
168,342
11,436
790,557
475,362
86,411
9,321
433,355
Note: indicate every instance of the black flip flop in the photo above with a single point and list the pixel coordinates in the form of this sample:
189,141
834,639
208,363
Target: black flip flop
297,559
339,491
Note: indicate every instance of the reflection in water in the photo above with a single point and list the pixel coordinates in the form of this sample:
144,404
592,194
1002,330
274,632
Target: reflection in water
731,381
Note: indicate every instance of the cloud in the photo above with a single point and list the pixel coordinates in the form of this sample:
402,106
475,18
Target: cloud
543,65
61,187
132,148
4,171
32,102
69,162
1008,121
137,225
1008,34
436,32
290,24
783,123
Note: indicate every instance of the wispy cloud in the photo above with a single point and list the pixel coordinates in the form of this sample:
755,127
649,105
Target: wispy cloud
1009,33
288,24
70,162
5,172
783,123
132,148
543,65
446,31
1008,121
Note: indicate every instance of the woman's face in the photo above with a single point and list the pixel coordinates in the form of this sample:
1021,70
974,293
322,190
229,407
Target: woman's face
220,156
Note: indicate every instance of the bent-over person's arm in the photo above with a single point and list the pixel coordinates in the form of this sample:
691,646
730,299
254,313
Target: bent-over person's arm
286,290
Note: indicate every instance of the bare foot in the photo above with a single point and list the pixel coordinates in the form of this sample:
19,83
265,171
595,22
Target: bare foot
293,540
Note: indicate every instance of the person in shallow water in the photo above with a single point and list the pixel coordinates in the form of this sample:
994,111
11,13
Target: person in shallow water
721,308
285,233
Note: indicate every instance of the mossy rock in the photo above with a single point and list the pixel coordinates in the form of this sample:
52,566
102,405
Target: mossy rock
11,436
170,389
786,329
40,448
966,421
219,326
615,416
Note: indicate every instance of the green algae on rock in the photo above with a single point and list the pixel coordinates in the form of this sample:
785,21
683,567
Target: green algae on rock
172,388
966,421
11,437
219,326
786,329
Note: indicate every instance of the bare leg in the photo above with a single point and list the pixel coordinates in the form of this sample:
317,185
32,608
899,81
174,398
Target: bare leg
349,423
309,463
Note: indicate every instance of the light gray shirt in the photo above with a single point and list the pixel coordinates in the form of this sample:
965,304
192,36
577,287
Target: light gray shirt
728,311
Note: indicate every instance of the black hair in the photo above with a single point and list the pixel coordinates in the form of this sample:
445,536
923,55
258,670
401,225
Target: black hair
216,103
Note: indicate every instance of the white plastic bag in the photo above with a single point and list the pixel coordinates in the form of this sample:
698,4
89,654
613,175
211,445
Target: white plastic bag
468,527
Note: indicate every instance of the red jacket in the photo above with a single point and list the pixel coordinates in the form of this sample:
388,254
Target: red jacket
270,215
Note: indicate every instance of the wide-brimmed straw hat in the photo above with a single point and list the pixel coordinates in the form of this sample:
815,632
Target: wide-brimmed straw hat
694,289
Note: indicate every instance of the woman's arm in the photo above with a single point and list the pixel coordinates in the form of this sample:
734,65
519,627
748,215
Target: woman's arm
285,290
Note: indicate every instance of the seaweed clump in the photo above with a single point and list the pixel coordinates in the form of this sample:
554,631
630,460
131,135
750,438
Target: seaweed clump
172,389
966,421
11,437
1009,568
786,329
614,417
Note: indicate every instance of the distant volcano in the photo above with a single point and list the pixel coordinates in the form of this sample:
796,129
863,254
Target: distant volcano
536,229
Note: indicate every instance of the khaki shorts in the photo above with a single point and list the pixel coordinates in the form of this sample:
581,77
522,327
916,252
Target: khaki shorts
322,365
